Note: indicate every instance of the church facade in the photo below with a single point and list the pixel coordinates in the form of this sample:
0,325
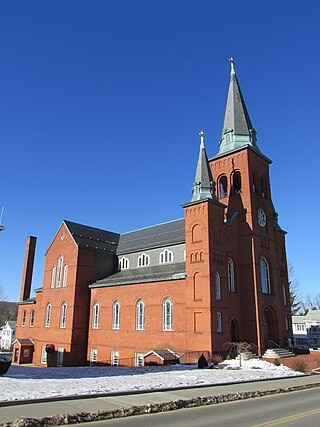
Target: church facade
217,275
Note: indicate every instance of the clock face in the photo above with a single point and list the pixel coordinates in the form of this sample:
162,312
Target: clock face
262,218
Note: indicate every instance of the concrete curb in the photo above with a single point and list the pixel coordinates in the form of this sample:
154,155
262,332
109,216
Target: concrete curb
5,403
150,408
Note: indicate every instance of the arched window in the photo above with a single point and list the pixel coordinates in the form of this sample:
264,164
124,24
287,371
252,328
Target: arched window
143,260
53,276
59,271
223,187
287,323
31,323
196,233
236,185
140,315
63,315
47,316
116,315
231,285
65,275
265,276
218,286
167,311
263,187
123,263
166,256
284,292
95,315
23,318
255,184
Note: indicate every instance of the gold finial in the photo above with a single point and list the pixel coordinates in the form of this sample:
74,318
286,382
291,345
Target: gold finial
232,62
201,133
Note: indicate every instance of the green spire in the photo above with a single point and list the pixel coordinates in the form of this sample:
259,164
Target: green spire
203,187
237,130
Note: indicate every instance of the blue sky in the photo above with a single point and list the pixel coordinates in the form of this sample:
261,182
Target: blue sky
101,103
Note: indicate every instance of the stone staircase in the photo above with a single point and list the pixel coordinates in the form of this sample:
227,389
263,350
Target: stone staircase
277,353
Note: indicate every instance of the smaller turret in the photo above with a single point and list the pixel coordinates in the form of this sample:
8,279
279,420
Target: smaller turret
204,185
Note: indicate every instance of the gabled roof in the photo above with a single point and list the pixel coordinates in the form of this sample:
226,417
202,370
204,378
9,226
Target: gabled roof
12,324
163,354
93,238
165,234
23,341
156,273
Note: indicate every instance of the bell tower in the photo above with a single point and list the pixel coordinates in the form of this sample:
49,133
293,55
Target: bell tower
242,175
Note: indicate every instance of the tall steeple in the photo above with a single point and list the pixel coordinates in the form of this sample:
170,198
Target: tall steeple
237,130
203,187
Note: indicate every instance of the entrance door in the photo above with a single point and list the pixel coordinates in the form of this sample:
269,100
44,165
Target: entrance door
60,356
234,331
16,355
270,336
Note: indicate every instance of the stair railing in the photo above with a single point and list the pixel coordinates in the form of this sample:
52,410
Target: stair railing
272,344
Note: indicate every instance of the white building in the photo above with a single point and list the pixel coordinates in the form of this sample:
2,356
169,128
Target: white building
306,330
8,335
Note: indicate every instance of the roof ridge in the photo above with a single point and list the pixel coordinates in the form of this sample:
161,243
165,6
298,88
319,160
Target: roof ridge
150,226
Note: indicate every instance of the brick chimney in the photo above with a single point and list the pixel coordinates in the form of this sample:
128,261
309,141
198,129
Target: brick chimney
28,268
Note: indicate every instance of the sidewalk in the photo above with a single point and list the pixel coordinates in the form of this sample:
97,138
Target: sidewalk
93,404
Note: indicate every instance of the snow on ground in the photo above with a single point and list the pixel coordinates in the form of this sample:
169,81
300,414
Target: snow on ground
33,383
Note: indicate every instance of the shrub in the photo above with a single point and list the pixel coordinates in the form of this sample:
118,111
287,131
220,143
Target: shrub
300,365
228,357
215,359
276,362
202,362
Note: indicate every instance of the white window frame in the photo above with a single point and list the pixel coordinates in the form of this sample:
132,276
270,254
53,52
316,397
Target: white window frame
23,317
93,356
123,263
48,315
31,320
166,256
287,323
219,322
231,285
217,282
65,276
115,358
167,315
265,276
285,299
59,271
95,315
143,260
116,315
60,356
53,276
43,359
140,315
63,315
138,359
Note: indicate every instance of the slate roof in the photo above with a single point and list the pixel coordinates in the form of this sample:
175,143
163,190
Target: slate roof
29,300
156,273
12,324
165,234
93,238
311,316
236,114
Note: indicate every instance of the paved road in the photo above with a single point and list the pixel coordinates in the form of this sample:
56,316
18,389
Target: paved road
296,409
92,404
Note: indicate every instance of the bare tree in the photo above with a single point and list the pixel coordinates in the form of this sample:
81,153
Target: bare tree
294,292
3,296
311,302
239,348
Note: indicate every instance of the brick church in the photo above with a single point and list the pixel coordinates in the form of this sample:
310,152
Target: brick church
188,286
